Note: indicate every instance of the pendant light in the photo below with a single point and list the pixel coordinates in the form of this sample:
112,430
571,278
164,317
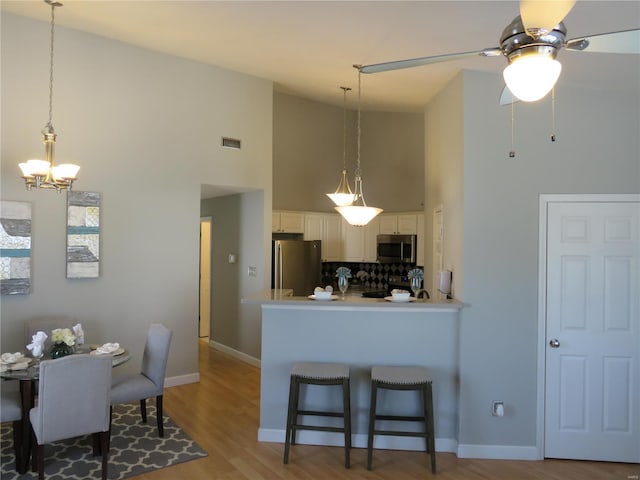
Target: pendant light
44,173
343,194
358,214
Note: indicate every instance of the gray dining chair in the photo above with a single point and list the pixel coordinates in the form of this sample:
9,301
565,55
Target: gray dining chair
150,381
73,400
11,411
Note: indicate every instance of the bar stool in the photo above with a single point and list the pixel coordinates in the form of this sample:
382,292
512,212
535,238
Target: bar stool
318,374
402,378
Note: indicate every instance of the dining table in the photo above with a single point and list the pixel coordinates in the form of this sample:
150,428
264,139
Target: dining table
28,377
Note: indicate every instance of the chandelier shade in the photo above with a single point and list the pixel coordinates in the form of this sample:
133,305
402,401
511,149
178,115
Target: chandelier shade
45,173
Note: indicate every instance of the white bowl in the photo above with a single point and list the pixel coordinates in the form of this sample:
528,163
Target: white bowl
401,296
322,295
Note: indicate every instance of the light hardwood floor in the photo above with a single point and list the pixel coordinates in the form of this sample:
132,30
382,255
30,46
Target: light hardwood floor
221,413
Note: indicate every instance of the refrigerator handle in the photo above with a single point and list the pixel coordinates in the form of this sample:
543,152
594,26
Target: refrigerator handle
280,265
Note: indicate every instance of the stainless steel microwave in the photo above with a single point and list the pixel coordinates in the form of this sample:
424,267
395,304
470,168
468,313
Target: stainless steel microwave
396,248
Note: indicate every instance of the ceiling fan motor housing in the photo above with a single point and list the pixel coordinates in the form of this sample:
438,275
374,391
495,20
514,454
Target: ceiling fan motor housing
515,42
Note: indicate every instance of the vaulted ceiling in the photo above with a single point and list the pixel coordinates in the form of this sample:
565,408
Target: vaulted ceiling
307,48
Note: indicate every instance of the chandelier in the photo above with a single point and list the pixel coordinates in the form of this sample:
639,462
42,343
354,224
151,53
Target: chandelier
45,173
343,194
357,213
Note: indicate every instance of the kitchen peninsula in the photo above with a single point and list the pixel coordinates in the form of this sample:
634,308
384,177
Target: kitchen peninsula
359,332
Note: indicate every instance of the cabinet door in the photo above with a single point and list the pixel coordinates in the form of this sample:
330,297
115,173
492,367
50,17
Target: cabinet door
313,226
275,222
352,243
371,231
407,224
331,238
388,224
292,222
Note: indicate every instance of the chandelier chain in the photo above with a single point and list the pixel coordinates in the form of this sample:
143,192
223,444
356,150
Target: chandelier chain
53,9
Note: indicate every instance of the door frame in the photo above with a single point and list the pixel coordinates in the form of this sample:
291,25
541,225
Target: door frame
545,200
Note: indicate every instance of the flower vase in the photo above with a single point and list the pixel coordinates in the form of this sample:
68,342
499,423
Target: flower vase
416,283
343,284
59,350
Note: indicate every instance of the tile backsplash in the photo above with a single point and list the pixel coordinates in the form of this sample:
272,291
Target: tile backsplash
369,275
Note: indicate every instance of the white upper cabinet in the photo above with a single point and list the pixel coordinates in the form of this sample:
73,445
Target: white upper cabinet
324,227
371,231
331,238
352,242
287,222
420,241
403,224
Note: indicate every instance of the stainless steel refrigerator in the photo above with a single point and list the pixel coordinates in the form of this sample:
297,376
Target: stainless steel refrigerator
296,264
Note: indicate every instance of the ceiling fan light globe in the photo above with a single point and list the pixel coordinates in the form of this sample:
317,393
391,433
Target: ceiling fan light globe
531,77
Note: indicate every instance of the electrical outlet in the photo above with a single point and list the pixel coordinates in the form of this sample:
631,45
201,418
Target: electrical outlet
498,409
253,272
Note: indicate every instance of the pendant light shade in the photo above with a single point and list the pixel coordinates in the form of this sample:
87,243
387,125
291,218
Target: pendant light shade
45,173
343,194
358,213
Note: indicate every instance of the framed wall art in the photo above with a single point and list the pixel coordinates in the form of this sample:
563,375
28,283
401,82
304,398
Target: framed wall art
83,234
15,248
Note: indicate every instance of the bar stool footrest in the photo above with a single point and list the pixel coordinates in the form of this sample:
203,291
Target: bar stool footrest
319,428
321,414
400,418
399,434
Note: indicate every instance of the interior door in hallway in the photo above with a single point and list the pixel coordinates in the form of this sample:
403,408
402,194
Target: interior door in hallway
592,396
205,278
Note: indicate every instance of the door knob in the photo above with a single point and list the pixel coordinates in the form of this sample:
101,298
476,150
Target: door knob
554,343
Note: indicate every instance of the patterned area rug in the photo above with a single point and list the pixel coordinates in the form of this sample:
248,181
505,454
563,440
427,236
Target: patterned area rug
135,449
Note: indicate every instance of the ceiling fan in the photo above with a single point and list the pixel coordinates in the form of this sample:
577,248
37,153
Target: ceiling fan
531,43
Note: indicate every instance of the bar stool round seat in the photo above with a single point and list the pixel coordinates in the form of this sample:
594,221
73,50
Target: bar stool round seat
313,373
402,378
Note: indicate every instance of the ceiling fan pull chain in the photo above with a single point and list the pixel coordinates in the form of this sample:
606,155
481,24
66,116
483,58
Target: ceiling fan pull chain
553,114
512,152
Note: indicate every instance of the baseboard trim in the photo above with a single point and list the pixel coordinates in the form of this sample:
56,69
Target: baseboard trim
181,380
498,452
243,357
358,440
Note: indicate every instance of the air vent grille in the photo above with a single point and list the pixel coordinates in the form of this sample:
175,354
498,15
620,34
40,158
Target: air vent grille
231,143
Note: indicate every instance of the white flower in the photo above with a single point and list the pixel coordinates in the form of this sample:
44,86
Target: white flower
63,335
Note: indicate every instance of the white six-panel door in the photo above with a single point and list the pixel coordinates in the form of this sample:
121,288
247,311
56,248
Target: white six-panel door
592,393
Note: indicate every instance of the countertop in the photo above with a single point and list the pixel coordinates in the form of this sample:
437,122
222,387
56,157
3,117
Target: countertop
277,299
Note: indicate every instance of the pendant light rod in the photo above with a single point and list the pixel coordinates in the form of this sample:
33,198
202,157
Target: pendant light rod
358,213
343,194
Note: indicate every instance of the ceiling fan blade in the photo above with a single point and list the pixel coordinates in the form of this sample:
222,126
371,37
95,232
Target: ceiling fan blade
507,98
417,62
540,16
627,41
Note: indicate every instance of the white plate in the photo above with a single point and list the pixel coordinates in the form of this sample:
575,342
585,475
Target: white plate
313,297
115,353
398,300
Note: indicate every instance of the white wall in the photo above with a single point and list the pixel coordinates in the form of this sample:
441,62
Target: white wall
308,151
596,151
444,180
145,128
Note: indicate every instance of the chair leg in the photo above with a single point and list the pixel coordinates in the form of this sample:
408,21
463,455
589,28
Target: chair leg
372,424
143,410
104,445
296,402
290,409
429,425
40,460
159,416
346,401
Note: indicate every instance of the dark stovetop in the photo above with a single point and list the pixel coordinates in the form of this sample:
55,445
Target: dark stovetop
375,294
